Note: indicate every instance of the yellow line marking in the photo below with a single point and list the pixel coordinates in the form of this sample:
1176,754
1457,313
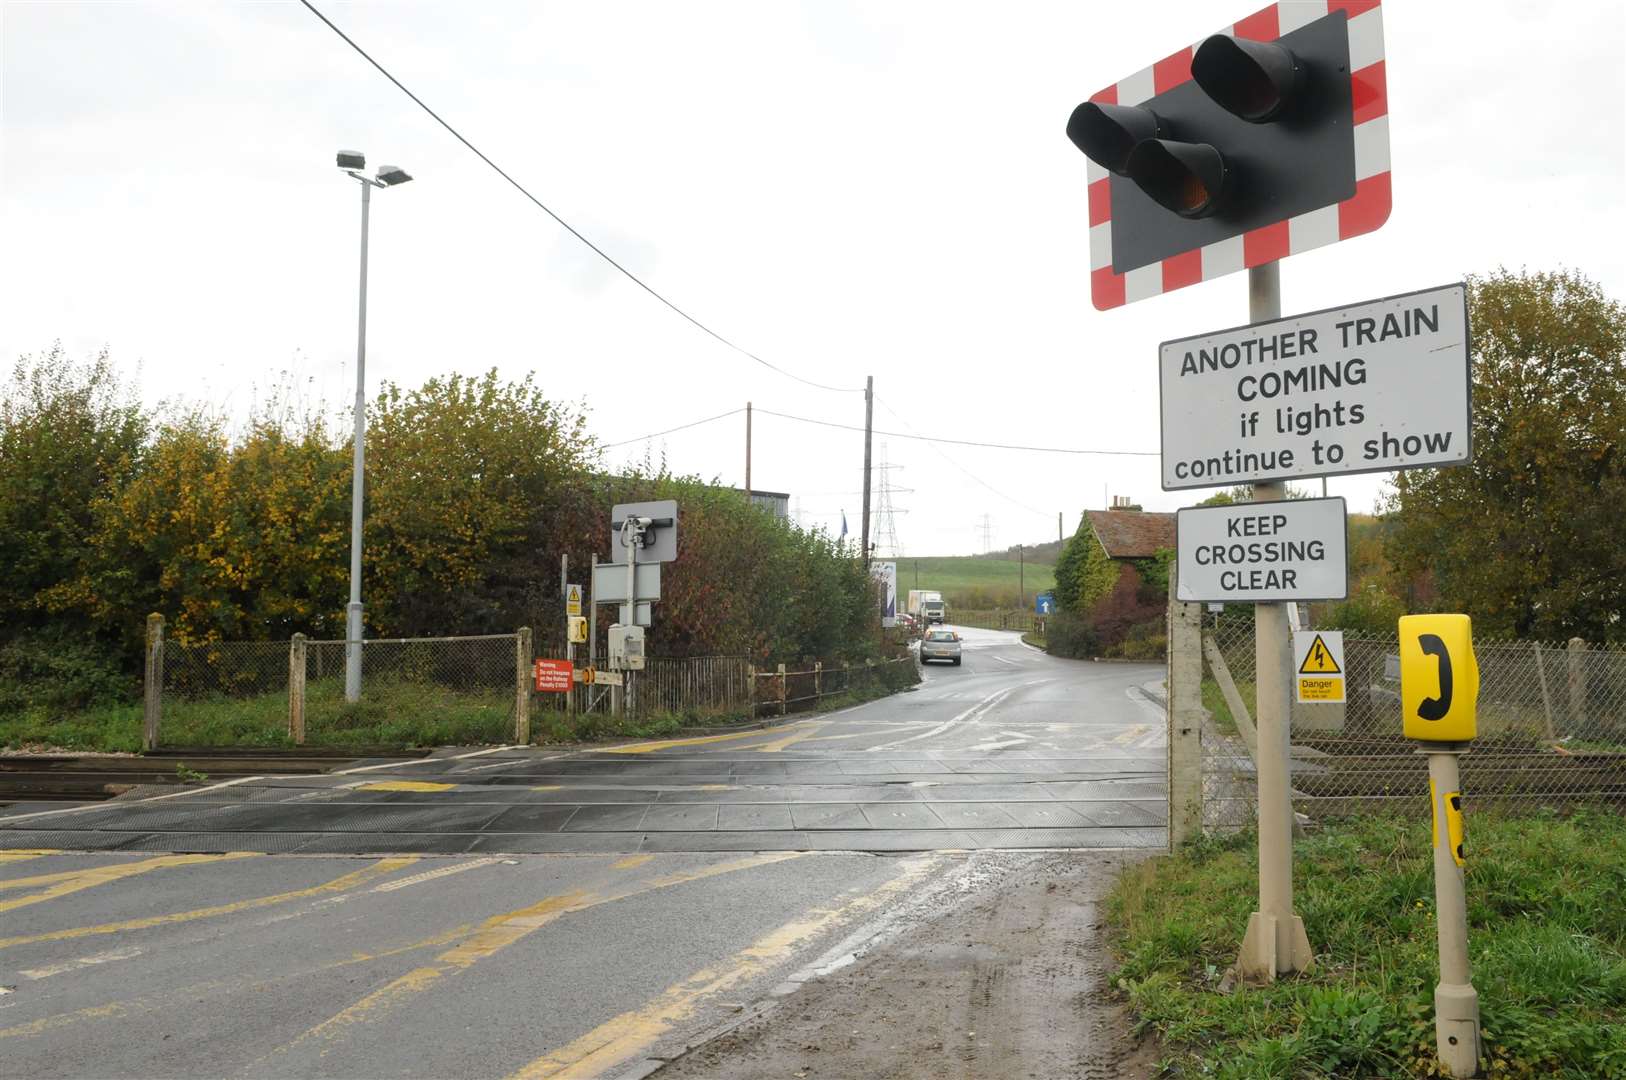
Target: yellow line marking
500,931
631,862
338,884
547,787
406,785
24,855
700,740
789,740
612,1042
1132,734
193,993
74,880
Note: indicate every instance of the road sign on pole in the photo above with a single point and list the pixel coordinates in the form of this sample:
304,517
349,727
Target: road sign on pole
1371,387
1277,552
1265,140
610,582
1318,663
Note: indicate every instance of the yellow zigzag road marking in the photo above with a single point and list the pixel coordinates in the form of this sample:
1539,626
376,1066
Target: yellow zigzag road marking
72,881
186,995
701,740
338,884
24,855
500,931
789,740
614,1041
406,785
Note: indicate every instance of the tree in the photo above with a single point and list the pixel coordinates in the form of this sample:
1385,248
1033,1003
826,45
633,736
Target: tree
69,435
1527,537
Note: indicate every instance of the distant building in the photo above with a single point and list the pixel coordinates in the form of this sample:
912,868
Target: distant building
776,503
1121,548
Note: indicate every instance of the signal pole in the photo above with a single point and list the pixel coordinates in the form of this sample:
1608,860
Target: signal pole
747,451
1275,941
869,432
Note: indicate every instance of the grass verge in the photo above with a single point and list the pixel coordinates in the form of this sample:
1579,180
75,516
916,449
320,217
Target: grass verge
1547,930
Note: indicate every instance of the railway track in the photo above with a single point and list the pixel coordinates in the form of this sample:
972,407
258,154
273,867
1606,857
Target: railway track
91,777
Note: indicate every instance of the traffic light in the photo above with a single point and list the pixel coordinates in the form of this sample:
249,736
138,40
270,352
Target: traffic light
1267,139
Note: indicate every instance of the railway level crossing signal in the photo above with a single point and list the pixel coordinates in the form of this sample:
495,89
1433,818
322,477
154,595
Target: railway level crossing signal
1268,139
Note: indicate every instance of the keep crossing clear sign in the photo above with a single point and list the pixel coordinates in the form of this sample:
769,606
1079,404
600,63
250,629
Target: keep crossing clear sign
1318,663
1271,552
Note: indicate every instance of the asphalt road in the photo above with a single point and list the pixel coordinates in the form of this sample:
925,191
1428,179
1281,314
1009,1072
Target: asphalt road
522,912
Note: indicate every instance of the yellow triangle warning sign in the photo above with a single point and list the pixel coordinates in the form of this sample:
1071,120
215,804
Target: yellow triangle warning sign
1319,661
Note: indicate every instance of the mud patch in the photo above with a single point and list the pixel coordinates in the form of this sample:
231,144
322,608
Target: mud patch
1010,983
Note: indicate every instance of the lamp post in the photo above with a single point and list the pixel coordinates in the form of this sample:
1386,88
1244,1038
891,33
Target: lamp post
352,162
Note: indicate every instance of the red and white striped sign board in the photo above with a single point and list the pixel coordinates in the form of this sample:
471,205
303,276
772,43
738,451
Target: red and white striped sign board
1364,212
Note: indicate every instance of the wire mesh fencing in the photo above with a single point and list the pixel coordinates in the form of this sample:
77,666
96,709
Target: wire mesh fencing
1551,720
413,691
223,693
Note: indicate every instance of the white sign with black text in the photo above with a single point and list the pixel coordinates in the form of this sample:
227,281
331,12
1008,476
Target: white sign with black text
1372,387
1269,552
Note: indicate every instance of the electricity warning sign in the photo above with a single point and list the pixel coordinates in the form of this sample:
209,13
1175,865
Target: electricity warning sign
1318,659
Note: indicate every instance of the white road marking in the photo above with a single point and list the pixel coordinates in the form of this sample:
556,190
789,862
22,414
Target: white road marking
429,875
425,760
981,708
134,802
81,962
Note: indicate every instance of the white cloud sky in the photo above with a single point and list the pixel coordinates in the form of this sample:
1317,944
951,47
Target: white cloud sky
845,189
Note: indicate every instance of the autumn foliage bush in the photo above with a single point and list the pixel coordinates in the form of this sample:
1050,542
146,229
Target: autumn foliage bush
475,488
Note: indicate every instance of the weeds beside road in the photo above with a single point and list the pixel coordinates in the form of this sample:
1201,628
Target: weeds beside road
1547,938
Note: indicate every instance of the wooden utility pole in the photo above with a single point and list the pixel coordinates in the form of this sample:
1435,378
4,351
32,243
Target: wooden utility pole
747,451
869,432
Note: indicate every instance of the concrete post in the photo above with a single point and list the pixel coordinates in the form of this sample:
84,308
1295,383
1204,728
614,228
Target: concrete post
296,689
522,686
1184,698
1546,697
751,689
1577,685
1456,1002
153,689
784,689
1275,942
818,683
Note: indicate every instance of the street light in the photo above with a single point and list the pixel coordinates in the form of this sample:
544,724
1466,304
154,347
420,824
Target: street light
352,161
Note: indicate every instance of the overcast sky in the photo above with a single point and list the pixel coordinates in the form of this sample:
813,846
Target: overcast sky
844,189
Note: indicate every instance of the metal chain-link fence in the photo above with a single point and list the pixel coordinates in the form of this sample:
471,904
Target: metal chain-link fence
1552,729
417,692
224,693
414,692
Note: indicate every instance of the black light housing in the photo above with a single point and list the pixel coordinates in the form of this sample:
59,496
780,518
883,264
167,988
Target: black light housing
1108,133
1188,178
392,175
1252,80
352,159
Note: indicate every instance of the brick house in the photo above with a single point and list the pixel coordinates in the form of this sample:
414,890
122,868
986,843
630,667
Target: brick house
1116,595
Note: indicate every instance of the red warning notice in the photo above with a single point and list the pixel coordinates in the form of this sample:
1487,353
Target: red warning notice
553,676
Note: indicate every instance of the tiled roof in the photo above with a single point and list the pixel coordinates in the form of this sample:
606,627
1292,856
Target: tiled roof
1131,534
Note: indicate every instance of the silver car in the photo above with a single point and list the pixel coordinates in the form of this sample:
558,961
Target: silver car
940,644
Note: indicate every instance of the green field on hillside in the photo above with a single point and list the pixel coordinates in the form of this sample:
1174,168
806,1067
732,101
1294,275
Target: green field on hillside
975,582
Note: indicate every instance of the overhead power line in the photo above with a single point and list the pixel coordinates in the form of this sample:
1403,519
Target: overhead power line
600,252
959,442
668,431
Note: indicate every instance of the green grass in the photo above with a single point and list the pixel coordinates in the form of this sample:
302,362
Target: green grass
1547,939
978,582
1214,702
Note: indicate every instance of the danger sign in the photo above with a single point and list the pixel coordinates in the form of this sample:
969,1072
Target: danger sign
553,676
1318,659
